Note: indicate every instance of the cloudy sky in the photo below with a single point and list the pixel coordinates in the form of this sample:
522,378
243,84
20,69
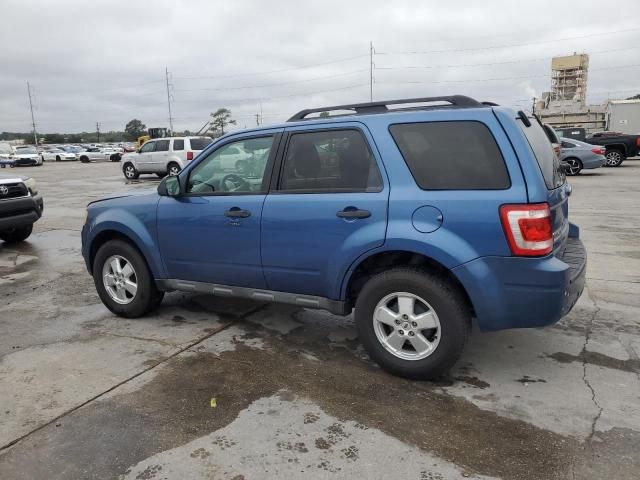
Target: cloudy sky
104,61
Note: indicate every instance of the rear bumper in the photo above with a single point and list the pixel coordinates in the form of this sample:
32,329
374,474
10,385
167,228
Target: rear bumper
20,211
517,292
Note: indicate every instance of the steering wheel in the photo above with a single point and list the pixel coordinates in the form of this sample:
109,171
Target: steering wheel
236,181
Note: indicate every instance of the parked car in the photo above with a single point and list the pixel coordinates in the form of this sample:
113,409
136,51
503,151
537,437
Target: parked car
20,207
163,156
6,152
619,146
383,210
57,155
578,155
27,156
93,154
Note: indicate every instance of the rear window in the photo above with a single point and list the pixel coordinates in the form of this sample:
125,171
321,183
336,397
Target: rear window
457,155
199,143
543,151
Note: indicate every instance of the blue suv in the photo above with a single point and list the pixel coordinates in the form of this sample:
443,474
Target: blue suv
424,215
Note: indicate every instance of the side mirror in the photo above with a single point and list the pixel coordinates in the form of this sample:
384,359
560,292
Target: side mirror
169,187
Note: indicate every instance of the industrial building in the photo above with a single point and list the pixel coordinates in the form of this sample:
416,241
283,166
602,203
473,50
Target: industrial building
623,116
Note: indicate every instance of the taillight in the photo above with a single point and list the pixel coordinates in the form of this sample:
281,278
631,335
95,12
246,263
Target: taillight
638,141
598,150
189,155
528,228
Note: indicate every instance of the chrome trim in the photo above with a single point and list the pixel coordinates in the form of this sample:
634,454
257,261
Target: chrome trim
307,301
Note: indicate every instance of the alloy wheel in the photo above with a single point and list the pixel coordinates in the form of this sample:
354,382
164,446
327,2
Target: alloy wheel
406,326
574,166
613,158
119,279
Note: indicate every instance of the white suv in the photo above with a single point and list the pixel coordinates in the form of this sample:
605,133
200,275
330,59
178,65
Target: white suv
162,156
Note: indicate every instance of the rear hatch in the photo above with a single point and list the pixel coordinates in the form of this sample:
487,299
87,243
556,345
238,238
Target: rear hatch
554,179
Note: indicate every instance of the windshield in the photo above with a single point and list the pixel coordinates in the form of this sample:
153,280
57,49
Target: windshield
26,150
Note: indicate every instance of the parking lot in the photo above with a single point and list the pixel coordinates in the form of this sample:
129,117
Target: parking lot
211,388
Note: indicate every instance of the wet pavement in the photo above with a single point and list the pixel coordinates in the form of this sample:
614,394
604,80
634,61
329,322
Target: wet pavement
211,388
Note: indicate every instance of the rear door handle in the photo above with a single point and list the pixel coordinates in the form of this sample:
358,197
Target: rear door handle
237,213
353,213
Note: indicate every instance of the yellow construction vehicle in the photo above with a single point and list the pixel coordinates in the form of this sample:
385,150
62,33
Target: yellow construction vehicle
153,133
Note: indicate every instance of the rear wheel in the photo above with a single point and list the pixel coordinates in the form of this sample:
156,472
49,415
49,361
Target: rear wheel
412,323
17,234
614,158
123,280
173,168
130,172
57,158
574,166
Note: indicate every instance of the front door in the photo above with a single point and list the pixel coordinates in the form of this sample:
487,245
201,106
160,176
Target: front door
145,156
212,232
329,207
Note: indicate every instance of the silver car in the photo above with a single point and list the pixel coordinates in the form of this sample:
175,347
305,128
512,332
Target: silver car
578,155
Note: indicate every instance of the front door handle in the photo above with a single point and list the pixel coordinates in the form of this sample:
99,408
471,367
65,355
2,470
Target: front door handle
356,213
237,213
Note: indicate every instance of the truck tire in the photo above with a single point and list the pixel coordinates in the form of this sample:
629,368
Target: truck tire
412,323
614,158
129,171
17,234
123,280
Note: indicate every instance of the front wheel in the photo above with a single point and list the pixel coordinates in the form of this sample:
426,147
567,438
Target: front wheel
17,234
123,280
412,323
84,159
614,158
130,172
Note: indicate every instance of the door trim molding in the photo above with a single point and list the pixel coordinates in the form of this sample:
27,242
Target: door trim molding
336,307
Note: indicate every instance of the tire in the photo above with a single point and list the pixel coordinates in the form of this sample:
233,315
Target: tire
84,159
575,166
146,296
115,158
614,158
57,158
17,234
446,333
173,168
130,172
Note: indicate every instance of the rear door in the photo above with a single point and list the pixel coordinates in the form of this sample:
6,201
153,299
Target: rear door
327,207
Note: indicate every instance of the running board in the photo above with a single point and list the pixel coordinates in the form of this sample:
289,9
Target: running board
336,307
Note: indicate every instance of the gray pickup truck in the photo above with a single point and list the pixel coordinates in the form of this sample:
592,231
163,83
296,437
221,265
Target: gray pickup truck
20,207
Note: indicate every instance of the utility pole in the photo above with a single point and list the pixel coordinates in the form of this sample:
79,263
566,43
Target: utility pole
166,73
533,106
257,119
371,50
33,119
98,131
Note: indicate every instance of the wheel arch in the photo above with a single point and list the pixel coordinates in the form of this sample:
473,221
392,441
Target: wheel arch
379,261
621,147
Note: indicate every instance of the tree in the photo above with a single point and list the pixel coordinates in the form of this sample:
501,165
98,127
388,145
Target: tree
134,129
635,97
324,114
220,119
54,138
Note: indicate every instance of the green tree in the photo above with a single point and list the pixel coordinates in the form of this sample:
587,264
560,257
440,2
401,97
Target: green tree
635,97
220,119
134,129
53,138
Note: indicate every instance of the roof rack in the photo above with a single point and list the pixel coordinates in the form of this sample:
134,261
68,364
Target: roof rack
383,106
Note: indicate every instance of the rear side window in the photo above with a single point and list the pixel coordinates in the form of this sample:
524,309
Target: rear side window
330,161
178,145
458,155
543,151
162,145
199,143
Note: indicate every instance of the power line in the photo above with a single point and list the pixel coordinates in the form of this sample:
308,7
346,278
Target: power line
512,45
371,66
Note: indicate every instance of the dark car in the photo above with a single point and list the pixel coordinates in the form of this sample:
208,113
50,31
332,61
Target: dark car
20,207
619,146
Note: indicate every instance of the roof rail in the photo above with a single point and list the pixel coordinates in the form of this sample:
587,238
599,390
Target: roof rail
382,106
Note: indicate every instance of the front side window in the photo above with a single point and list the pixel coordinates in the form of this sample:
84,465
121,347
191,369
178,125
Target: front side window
148,147
330,161
162,146
456,155
237,167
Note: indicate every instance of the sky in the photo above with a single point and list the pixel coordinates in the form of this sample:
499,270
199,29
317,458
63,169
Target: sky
104,61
